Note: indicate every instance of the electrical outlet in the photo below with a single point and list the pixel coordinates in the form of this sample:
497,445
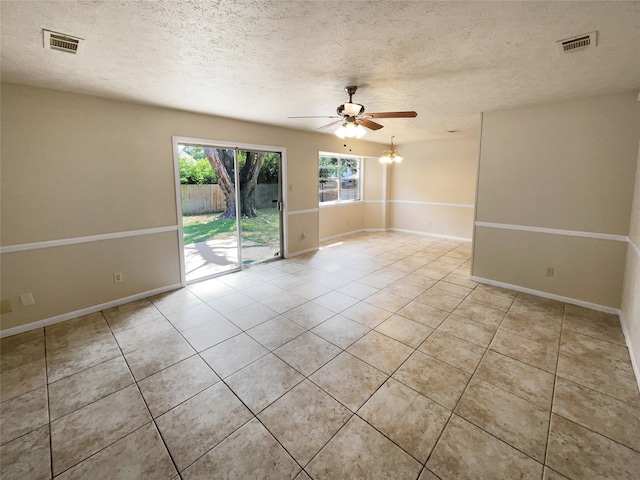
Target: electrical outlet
550,272
5,306
117,277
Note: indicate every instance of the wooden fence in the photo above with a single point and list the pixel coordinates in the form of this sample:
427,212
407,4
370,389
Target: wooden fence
200,199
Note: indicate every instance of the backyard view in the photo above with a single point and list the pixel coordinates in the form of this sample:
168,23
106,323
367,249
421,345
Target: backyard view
209,196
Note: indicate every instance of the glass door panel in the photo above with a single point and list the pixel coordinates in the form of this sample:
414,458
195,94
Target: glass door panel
258,177
210,229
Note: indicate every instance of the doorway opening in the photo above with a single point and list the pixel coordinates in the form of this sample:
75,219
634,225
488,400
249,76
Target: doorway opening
219,184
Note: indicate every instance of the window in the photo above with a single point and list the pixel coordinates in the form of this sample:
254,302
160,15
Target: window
339,178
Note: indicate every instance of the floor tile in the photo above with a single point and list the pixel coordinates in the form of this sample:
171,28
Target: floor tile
597,353
461,280
577,452
360,451
23,414
249,316
307,353
340,331
490,300
480,313
445,288
611,381
424,314
275,332
477,333
435,379
76,391
251,452
131,314
387,301
174,301
264,381
608,329
304,419
68,361
512,419
404,289
453,350
418,281
169,387
21,349
427,475
231,355
368,315
241,280
283,302
194,427
22,379
523,380
540,329
141,454
608,416
309,290
408,418
349,380
542,355
192,316
75,332
263,291
465,452
384,353
27,457
141,335
234,301
159,355
309,315
404,330
552,475
209,290
359,290
86,431
377,280
335,301
210,333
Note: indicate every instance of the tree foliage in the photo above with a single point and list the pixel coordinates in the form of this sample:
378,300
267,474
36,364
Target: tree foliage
195,168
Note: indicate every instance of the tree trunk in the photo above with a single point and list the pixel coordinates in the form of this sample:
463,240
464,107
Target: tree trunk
248,181
222,163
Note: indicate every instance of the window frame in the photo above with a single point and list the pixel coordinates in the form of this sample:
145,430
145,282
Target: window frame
340,156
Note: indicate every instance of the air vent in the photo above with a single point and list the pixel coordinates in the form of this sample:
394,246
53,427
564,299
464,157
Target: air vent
575,44
62,42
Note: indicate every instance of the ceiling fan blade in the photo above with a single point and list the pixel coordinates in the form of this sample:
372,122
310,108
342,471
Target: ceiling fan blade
318,116
369,124
329,124
391,115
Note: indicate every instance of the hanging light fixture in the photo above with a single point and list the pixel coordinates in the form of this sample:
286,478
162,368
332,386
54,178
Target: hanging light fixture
350,129
390,156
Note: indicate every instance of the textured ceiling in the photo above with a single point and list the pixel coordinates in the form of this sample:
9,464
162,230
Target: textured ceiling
267,60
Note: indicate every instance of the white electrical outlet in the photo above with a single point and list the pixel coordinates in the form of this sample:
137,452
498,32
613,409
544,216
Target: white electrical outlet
117,277
550,272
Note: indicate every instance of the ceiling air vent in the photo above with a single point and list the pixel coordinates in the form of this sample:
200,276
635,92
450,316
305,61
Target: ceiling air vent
62,42
578,43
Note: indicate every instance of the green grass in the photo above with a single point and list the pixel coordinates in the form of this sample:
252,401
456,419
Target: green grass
263,229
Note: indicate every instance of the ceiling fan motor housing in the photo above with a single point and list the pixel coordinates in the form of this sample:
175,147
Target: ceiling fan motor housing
350,109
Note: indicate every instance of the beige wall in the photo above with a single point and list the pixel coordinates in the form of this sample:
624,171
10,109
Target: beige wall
568,166
433,190
631,291
76,166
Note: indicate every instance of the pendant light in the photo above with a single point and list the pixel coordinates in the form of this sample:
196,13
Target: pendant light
391,156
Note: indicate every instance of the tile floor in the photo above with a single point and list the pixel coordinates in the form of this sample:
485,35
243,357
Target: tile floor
374,358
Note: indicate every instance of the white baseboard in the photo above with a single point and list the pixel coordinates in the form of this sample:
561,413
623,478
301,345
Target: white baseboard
429,234
551,296
346,234
302,252
86,311
634,364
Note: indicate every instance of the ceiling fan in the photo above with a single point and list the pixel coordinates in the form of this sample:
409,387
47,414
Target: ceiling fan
353,118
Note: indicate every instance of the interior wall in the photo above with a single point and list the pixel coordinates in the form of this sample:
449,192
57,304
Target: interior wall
555,189
433,190
631,290
75,167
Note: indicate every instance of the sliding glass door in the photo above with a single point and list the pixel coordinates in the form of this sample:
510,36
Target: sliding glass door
218,186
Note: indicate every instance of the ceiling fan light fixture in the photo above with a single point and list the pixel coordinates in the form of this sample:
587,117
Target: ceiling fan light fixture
350,129
391,156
